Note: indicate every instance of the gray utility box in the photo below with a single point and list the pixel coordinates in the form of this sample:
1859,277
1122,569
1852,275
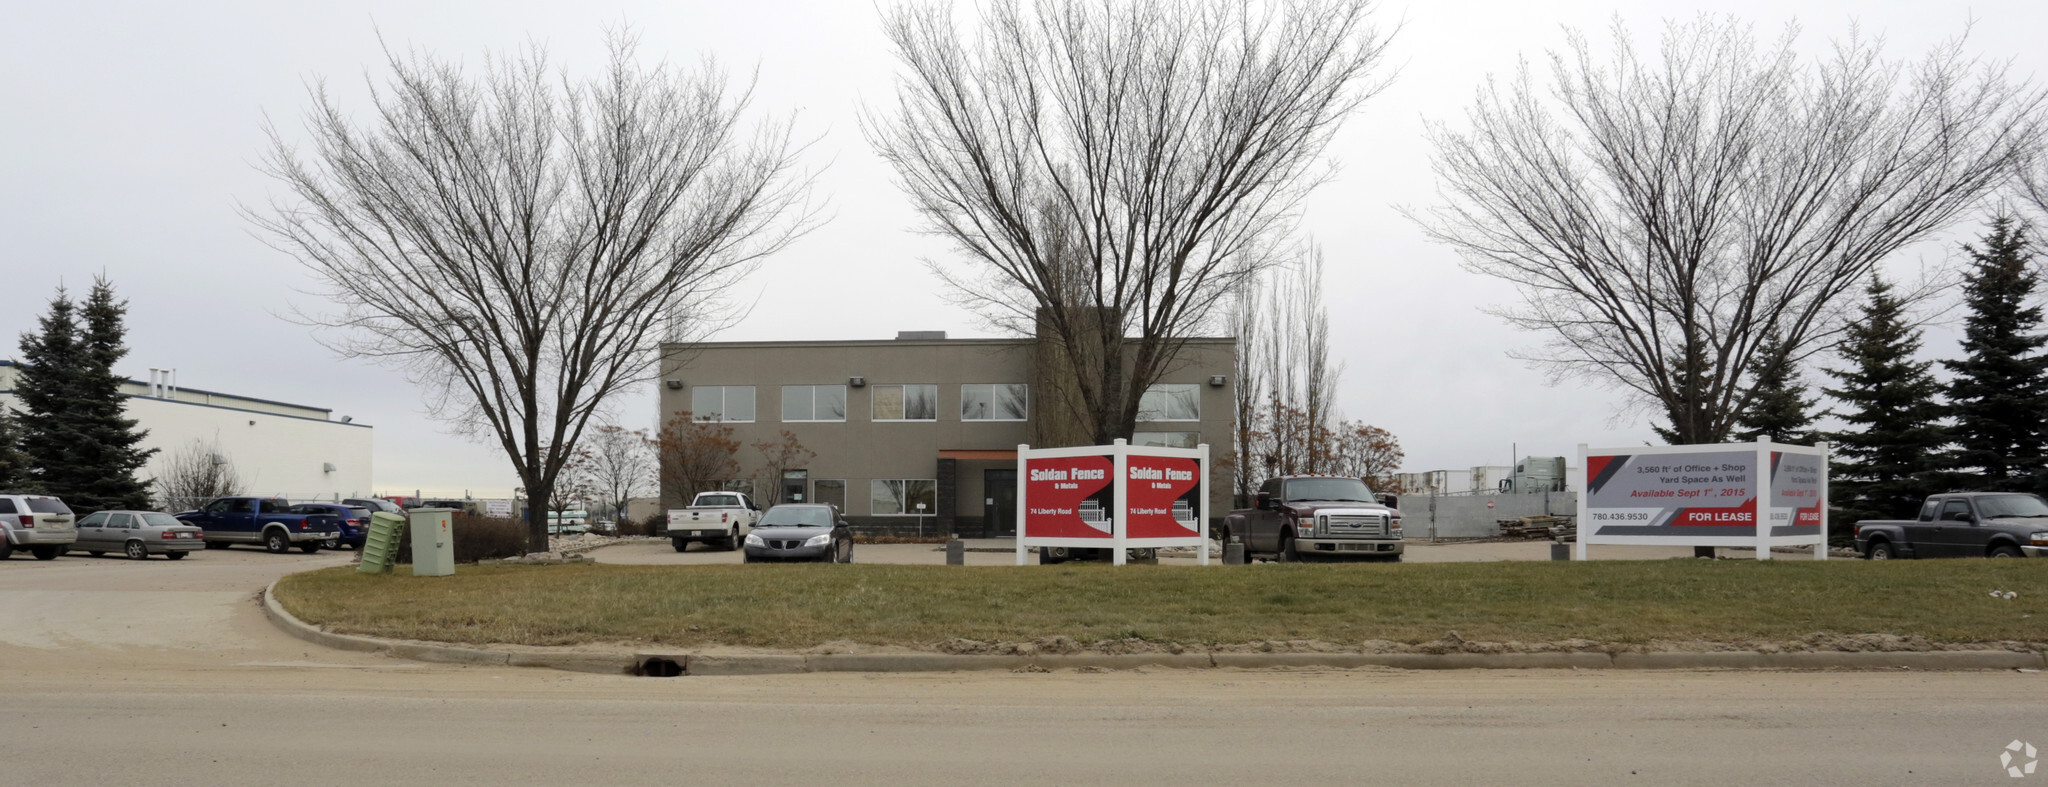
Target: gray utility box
433,547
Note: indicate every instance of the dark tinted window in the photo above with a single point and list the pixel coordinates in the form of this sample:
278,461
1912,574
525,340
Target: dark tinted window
2012,505
7,506
243,506
360,513
93,521
275,506
1955,510
1328,489
47,505
161,520
120,521
1271,487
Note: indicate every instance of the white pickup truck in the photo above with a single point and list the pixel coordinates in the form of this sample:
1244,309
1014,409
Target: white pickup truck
721,517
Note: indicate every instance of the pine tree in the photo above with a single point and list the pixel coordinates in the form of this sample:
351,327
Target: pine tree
52,360
116,453
1889,459
14,465
1779,409
74,426
1999,396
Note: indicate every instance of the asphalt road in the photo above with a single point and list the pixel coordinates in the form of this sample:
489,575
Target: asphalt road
113,671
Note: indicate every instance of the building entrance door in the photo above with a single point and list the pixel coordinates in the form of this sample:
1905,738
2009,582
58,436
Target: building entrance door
999,493
793,486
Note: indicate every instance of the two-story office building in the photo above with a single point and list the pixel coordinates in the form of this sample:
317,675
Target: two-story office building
919,434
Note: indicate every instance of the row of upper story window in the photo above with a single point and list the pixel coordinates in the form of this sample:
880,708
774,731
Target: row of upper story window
912,402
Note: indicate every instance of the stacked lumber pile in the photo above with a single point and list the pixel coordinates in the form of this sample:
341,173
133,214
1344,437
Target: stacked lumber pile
1559,528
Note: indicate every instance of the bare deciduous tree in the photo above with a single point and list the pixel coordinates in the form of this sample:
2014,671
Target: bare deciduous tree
778,457
519,243
195,474
694,455
1113,170
620,467
1664,216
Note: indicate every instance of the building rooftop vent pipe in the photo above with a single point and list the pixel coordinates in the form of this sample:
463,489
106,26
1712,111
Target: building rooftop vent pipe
920,336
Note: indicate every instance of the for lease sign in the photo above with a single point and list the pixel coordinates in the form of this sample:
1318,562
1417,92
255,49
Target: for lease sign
1069,497
1796,497
1671,494
1165,492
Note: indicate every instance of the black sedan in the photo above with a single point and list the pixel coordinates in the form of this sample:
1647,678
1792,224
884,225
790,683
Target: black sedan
800,532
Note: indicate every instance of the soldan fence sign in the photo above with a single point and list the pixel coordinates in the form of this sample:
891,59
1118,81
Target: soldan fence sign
1759,495
1114,497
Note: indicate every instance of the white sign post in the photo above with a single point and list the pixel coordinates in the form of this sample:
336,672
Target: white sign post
1758,495
1116,497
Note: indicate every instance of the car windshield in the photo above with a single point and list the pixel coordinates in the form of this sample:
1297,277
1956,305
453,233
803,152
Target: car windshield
795,516
161,520
1993,506
1346,489
47,505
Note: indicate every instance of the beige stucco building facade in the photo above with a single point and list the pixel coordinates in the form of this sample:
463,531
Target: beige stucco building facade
919,434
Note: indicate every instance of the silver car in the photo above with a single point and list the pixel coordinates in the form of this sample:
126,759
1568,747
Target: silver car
138,534
40,524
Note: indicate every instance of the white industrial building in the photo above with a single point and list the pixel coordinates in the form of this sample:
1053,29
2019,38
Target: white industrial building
278,449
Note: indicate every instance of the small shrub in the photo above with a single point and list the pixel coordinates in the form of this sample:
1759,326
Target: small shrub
478,538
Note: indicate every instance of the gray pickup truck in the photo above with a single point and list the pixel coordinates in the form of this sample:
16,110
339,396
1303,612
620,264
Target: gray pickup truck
1961,524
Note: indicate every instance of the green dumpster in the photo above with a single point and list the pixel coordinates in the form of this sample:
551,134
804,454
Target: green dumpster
380,546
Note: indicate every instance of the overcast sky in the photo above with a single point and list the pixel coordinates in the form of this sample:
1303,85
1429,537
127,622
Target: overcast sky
131,133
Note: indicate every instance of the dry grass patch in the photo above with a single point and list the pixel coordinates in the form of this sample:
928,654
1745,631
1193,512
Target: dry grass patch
799,606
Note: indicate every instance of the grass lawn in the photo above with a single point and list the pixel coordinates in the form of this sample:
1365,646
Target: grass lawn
797,606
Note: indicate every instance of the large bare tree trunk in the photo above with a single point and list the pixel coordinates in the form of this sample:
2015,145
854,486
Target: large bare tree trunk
520,243
1110,171
1665,216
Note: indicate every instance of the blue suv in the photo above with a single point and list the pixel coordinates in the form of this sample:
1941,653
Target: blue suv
355,523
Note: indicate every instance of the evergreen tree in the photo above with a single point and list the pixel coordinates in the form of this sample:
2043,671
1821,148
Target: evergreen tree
74,425
1779,409
1999,396
52,359
1889,459
14,464
115,453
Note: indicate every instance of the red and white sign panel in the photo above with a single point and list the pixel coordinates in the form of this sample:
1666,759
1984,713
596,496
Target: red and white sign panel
1796,497
1165,495
1069,497
1757,495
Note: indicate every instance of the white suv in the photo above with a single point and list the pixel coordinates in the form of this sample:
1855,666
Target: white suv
41,524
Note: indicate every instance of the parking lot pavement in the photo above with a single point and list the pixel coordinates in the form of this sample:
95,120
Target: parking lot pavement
78,611
661,553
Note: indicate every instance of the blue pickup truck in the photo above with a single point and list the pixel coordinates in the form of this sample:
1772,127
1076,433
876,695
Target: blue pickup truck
262,520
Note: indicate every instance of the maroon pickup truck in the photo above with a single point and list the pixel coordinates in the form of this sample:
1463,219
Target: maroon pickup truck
1301,515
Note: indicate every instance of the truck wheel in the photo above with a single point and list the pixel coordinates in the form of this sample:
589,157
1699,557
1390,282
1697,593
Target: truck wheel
276,542
2005,550
1879,550
45,553
6,549
136,551
680,543
332,543
1286,553
310,547
732,542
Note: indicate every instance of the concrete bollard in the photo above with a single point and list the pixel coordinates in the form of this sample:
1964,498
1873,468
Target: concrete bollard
1560,551
1233,554
956,552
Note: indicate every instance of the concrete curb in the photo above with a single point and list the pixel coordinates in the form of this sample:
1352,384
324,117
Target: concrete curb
685,663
